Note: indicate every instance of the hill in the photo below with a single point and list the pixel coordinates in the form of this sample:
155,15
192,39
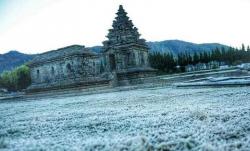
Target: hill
175,47
178,46
13,59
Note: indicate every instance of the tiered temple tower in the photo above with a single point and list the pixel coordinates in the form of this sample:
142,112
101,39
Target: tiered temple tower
125,52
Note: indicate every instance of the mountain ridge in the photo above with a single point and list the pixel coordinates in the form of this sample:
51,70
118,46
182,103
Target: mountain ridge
179,46
13,58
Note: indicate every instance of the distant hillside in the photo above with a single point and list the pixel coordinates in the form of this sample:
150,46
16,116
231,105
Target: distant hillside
96,48
12,59
176,47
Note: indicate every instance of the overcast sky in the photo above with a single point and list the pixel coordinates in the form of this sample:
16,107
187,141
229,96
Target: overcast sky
34,26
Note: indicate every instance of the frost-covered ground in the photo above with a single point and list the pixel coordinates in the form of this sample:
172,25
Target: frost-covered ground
144,119
218,81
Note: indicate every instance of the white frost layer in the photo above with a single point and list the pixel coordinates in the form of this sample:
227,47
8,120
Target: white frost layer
145,119
219,81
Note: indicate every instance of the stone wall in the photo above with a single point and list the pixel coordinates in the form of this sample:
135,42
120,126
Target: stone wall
73,68
131,57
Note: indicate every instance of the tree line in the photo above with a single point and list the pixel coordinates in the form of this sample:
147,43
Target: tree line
167,62
16,80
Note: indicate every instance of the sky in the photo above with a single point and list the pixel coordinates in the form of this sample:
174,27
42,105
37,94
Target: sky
35,26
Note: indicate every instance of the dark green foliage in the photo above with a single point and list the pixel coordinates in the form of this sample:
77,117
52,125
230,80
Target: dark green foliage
17,79
248,48
243,47
229,55
196,58
163,62
184,59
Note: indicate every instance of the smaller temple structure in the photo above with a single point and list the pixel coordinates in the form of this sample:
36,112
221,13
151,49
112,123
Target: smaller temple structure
66,67
122,61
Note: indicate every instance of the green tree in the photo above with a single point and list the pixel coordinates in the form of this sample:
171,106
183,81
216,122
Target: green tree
23,77
248,48
163,62
196,58
243,47
17,79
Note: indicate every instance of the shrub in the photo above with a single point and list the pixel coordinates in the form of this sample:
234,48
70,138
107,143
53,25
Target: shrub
16,80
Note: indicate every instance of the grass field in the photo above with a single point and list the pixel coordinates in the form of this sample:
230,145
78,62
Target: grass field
144,119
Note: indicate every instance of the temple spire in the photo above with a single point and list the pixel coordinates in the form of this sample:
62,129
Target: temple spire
123,31
121,9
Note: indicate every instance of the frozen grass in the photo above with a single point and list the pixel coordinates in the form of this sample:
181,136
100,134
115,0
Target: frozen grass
145,119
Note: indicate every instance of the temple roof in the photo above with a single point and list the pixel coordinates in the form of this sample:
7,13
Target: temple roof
123,31
62,52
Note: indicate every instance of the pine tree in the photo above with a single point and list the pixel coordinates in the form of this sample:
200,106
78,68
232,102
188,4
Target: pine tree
243,47
196,58
205,57
201,57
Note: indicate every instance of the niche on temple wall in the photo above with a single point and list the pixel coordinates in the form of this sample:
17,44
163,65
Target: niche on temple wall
52,71
142,58
130,59
37,74
69,70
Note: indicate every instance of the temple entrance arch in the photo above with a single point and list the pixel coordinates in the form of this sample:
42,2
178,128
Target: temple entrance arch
112,62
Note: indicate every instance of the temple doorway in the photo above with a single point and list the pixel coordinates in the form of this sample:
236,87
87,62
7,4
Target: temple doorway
112,62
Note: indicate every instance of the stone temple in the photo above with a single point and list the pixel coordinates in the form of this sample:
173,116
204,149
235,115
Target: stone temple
123,60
